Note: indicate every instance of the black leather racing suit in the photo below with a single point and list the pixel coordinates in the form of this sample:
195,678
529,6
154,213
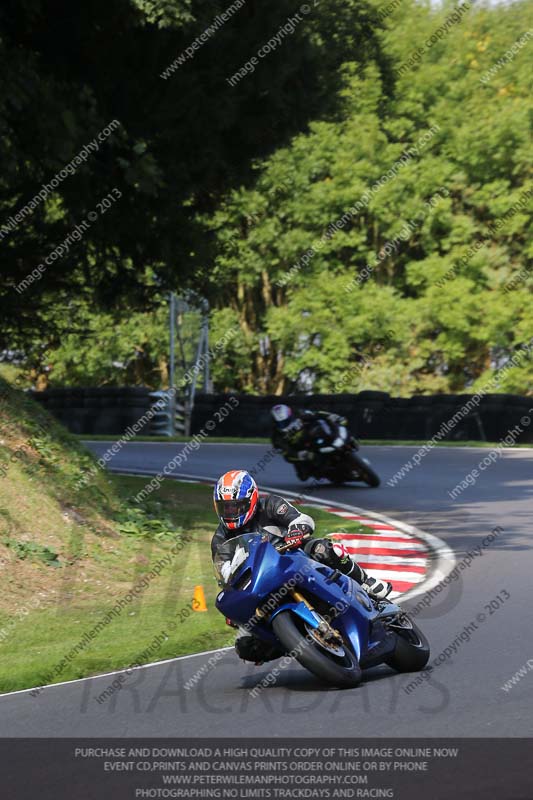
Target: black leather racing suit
275,510
297,442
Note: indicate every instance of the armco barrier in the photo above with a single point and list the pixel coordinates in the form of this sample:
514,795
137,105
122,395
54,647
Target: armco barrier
371,415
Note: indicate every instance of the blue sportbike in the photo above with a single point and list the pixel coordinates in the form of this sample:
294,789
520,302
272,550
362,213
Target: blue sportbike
312,612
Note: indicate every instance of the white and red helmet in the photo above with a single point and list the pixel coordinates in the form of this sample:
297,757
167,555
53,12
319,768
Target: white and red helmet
236,496
283,415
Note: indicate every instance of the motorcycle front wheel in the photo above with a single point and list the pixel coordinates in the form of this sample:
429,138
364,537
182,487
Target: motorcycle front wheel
364,471
336,664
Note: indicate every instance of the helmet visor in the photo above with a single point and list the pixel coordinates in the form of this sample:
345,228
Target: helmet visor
282,415
231,510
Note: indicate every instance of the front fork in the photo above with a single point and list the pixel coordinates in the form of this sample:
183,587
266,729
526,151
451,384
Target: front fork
324,629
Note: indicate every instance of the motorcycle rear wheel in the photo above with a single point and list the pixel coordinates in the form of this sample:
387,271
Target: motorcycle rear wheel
341,671
411,653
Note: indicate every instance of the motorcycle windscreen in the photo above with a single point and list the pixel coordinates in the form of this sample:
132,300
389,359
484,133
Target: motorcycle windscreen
231,554
229,557
323,431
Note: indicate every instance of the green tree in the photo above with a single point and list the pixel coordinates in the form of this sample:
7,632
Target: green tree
427,255
184,137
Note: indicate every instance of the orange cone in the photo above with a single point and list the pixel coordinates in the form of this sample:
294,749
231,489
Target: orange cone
198,599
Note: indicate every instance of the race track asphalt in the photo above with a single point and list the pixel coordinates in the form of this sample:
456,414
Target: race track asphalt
462,696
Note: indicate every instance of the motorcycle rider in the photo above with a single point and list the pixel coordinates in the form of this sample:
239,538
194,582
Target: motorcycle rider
241,510
297,435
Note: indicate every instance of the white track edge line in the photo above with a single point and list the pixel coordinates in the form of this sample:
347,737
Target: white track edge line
115,672
443,564
261,444
444,556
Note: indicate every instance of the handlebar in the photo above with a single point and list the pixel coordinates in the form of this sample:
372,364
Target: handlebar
282,548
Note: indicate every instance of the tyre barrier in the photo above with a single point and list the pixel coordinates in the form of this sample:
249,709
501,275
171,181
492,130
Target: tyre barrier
370,415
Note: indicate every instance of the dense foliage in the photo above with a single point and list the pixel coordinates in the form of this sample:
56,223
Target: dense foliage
181,139
425,287
374,234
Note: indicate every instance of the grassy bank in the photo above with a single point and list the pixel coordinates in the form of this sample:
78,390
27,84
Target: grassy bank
90,581
75,600
70,552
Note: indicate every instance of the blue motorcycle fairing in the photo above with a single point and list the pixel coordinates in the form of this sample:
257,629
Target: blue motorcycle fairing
301,610
389,610
273,573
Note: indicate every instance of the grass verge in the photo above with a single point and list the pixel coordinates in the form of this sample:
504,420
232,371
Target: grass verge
212,439
71,556
70,635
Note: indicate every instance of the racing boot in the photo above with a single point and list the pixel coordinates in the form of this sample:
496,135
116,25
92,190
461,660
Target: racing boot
376,588
250,648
